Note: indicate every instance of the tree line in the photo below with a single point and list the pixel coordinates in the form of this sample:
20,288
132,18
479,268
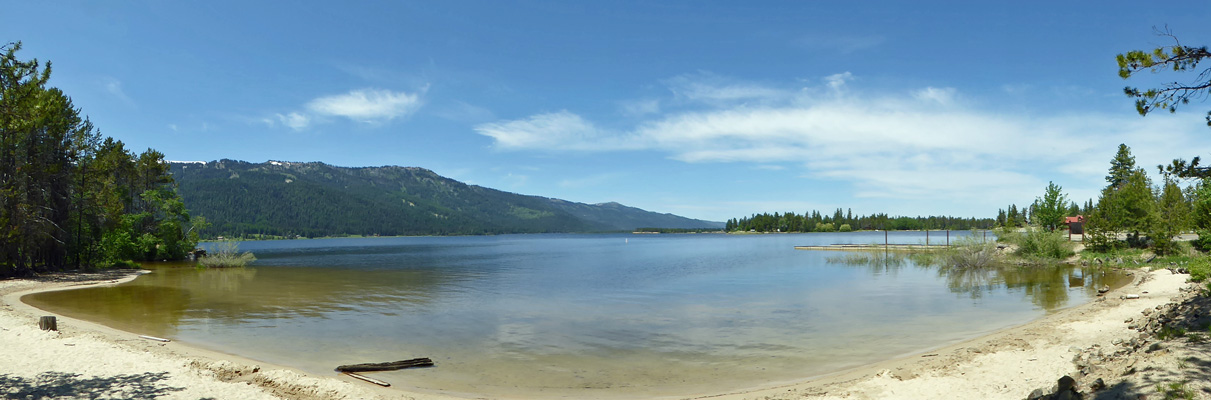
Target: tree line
69,197
845,221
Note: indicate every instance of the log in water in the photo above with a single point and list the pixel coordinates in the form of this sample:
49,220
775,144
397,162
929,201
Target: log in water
387,366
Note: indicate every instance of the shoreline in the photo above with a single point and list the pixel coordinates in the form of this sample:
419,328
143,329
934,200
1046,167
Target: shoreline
999,360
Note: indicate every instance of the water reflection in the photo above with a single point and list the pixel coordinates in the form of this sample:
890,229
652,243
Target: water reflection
1049,287
161,301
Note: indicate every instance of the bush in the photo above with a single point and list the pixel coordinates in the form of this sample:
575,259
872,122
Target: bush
971,252
845,228
1203,243
226,254
1042,244
1200,269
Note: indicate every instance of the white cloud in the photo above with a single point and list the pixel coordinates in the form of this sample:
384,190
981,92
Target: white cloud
836,82
705,87
294,120
552,131
366,105
943,96
918,145
371,106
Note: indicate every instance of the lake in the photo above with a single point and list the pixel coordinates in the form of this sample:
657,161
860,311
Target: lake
603,315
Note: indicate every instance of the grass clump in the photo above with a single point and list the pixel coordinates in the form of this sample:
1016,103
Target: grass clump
1040,244
1175,391
226,254
971,252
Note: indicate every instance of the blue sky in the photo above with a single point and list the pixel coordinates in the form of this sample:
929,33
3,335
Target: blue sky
709,110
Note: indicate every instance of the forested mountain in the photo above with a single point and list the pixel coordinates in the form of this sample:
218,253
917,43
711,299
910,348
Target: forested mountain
313,199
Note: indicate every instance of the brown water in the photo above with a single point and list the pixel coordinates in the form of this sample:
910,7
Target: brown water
577,315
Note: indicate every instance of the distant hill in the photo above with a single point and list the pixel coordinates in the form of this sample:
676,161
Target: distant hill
316,199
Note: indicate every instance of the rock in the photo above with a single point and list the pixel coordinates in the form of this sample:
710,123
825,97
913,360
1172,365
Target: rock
1037,394
1067,390
1098,384
1103,289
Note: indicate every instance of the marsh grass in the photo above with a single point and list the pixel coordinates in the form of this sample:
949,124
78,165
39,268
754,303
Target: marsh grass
226,254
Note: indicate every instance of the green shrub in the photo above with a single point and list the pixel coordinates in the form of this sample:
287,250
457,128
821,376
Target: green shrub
845,228
1200,269
1038,243
971,252
1203,243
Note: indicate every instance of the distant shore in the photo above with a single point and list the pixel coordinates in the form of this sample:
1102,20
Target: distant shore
94,360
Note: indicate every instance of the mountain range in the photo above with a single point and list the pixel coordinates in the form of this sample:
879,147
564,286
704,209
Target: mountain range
311,199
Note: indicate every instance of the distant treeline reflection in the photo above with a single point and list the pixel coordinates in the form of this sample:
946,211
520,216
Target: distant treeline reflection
1047,286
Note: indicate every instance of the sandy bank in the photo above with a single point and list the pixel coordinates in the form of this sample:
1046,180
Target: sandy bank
86,360
1012,363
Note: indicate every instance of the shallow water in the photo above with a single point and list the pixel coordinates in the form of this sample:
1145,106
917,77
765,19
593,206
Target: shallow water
578,315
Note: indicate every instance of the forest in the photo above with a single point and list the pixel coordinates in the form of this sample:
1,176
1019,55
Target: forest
845,221
71,198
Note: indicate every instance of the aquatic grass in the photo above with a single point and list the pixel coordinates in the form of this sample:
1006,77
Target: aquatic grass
226,254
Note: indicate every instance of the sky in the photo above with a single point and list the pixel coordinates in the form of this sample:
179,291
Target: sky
710,110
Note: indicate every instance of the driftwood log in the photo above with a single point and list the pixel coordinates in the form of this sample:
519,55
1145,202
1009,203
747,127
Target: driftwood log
369,379
387,366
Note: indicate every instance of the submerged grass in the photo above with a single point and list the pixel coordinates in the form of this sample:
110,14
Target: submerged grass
226,254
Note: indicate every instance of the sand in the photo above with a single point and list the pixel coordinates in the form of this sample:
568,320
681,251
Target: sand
86,360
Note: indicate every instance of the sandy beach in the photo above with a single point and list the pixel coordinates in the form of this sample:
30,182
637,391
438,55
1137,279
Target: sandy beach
1110,339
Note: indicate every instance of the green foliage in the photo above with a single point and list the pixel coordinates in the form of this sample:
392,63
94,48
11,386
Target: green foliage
1051,208
1121,166
845,228
971,252
1200,203
1175,391
1173,218
68,197
1175,58
1203,242
226,254
1200,269
814,221
1040,244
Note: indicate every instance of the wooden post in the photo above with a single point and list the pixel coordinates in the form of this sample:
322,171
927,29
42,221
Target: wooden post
926,237
948,238
48,323
884,239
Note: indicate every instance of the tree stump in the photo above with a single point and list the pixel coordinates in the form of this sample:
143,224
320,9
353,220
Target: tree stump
48,323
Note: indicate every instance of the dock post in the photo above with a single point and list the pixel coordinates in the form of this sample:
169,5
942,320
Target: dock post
948,238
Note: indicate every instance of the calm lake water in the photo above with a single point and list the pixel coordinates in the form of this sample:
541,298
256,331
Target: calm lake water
578,315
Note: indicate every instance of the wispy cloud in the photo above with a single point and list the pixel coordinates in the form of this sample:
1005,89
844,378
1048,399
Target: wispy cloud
709,88
294,120
551,131
918,144
114,87
371,106
366,105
